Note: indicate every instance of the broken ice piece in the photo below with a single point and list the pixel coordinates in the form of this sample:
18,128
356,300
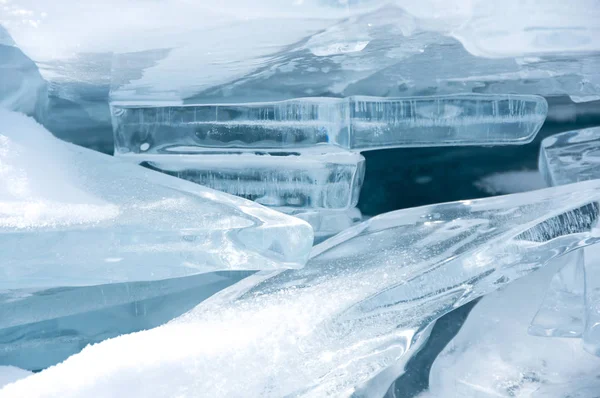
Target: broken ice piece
566,158
351,318
327,181
70,216
353,123
571,156
493,356
562,311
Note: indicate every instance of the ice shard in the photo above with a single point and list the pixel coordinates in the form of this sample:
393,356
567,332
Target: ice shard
565,158
70,216
319,181
354,123
40,328
360,308
493,356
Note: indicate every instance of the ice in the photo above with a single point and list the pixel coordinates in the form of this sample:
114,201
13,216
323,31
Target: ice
324,181
354,123
40,328
493,356
331,49
348,321
10,374
70,216
21,86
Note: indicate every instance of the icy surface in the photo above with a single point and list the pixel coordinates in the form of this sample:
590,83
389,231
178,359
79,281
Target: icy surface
359,309
41,328
10,374
355,123
325,181
493,356
70,216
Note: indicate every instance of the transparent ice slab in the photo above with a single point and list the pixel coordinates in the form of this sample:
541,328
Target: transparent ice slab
493,355
70,216
40,328
326,181
355,123
348,321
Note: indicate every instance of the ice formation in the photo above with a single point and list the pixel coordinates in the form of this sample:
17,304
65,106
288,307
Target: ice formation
493,356
354,123
73,216
572,304
348,320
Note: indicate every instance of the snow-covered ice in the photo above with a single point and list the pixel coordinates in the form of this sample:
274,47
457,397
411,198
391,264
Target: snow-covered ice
350,319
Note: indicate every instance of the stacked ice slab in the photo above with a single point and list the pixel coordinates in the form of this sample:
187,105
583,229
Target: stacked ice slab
303,153
93,247
572,304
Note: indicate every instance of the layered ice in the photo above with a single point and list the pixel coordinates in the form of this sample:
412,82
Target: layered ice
71,216
493,356
319,181
40,328
355,123
348,321
323,48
